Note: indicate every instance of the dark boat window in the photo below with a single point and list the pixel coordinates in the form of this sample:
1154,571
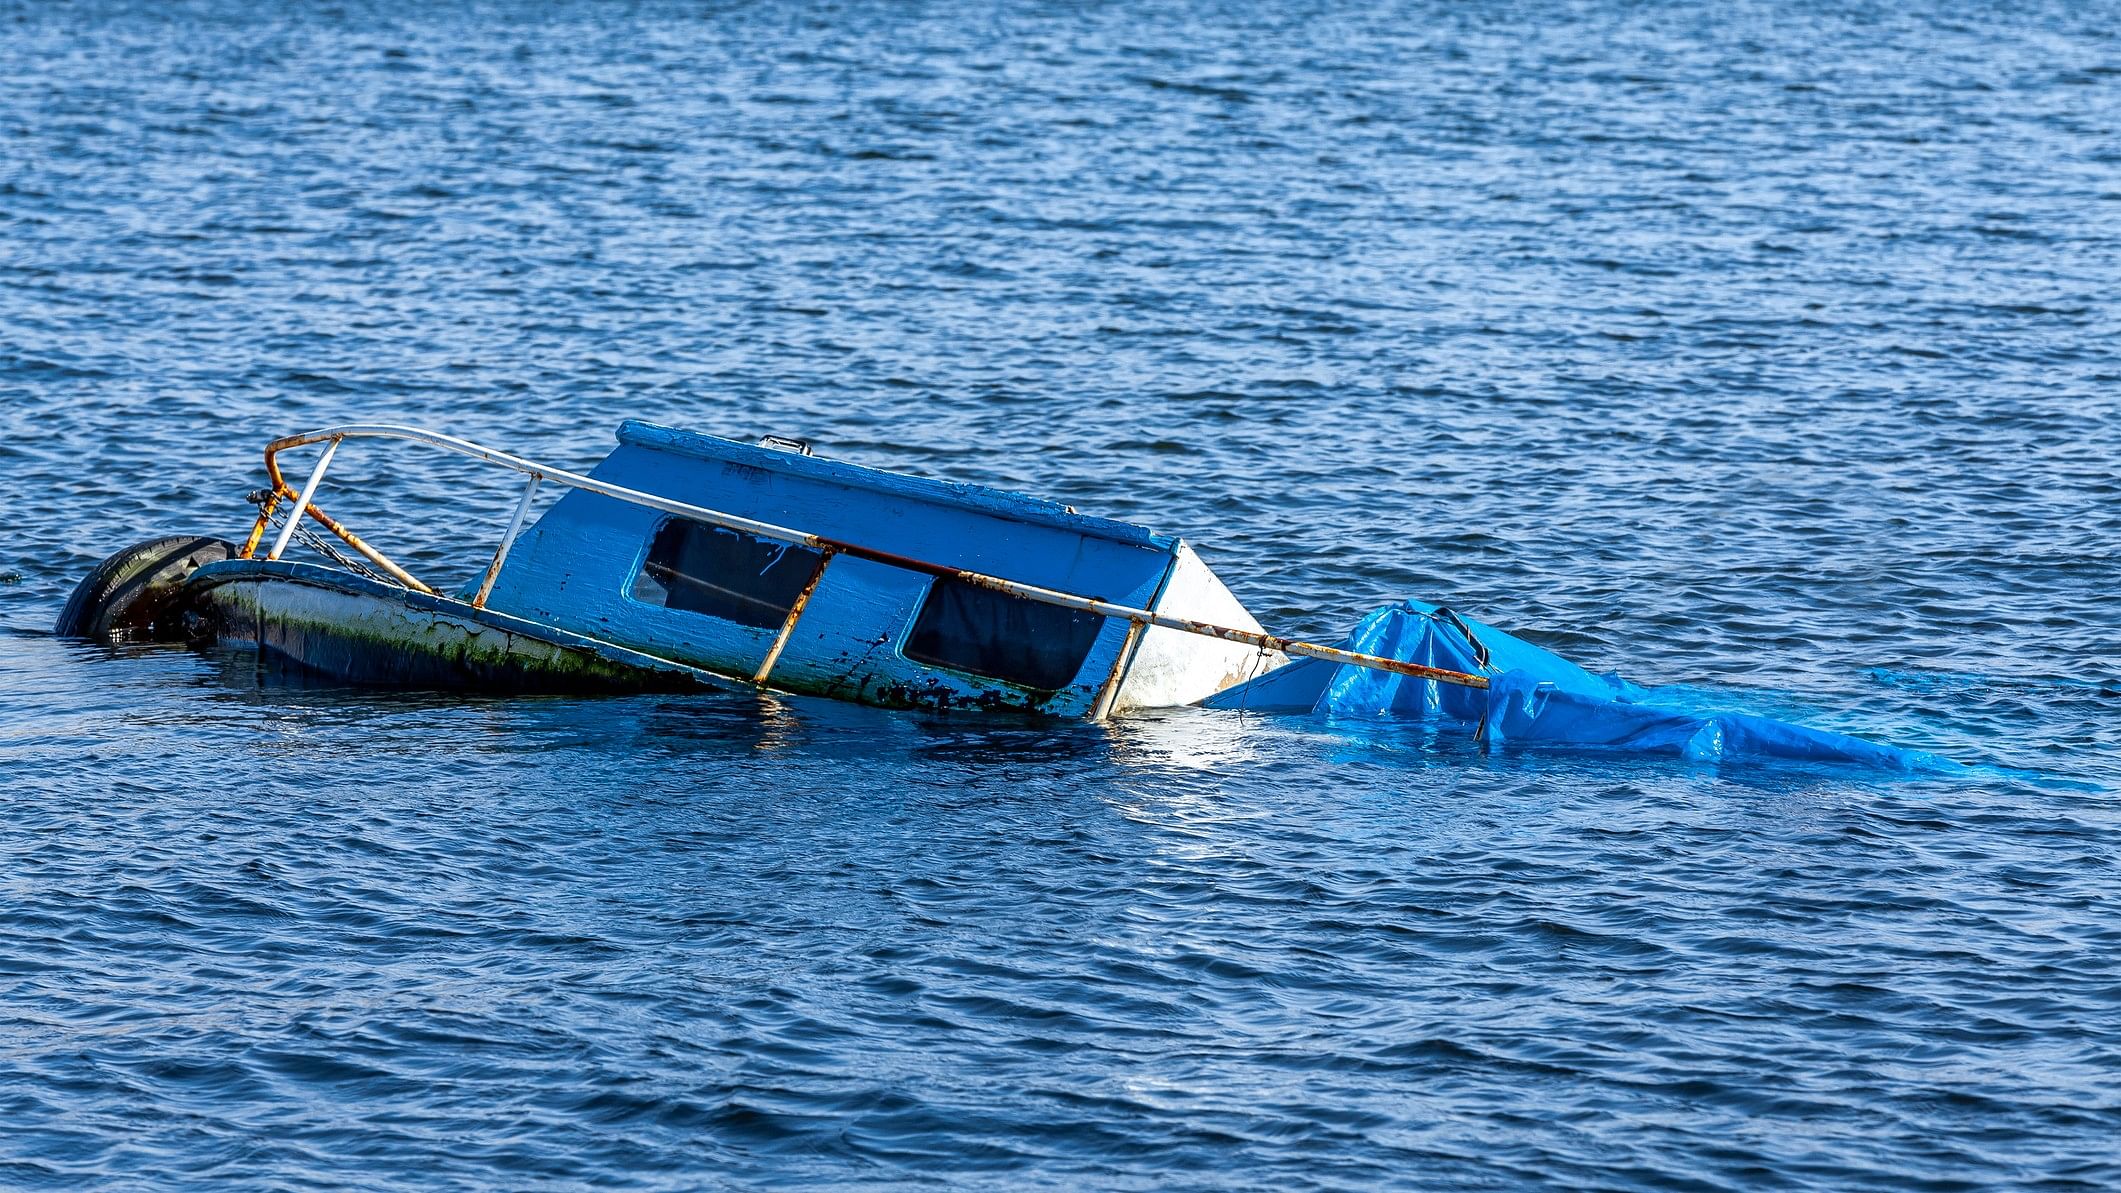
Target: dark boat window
722,573
984,632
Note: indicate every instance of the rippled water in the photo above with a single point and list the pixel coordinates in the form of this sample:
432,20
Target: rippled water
1767,346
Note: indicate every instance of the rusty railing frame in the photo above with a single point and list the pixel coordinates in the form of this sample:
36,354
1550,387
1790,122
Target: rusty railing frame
1140,619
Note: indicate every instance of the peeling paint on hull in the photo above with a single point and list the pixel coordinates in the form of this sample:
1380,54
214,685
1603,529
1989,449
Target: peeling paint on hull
357,632
309,621
316,622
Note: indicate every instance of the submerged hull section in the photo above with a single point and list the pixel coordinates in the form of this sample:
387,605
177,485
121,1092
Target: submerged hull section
328,624
323,623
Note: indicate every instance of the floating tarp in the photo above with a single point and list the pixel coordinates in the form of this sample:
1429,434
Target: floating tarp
1535,695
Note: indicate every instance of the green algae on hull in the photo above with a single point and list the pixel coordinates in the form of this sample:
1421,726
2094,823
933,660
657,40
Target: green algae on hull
303,619
368,639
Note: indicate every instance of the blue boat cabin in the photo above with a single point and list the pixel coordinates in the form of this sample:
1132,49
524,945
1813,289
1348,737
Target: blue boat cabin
858,629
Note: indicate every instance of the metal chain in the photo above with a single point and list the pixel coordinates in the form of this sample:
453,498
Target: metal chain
322,546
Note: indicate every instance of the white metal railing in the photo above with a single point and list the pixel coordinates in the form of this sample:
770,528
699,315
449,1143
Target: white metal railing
305,504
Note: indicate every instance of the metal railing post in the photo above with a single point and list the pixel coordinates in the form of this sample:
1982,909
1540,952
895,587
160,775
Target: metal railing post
795,611
1108,694
500,555
309,490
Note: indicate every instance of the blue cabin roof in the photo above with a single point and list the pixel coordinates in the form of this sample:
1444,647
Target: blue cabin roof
979,499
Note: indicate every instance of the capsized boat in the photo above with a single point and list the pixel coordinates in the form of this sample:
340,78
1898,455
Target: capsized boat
687,561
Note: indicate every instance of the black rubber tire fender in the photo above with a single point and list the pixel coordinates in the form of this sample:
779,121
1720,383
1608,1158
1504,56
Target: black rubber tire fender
137,594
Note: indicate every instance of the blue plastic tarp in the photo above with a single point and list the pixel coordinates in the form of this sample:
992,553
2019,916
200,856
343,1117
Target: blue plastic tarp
1535,695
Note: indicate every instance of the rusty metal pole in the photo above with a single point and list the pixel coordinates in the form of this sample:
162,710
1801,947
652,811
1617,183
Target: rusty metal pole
257,529
1108,693
795,611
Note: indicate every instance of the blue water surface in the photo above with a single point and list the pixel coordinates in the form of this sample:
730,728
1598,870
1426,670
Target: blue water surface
1768,349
